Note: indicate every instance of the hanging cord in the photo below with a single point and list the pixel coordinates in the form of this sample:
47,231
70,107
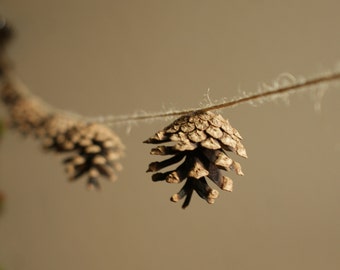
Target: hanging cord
274,91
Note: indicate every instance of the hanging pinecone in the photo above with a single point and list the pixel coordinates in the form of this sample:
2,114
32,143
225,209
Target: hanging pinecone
27,114
95,148
201,139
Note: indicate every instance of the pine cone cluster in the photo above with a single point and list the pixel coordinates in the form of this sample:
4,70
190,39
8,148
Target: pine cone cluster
202,139
94,149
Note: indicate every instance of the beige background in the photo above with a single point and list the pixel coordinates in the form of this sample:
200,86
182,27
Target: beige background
121,57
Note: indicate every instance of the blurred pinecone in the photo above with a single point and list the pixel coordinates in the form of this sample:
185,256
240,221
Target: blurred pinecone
95,148
201,139
27,114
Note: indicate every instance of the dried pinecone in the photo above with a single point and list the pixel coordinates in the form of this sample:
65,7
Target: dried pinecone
95,148
27,114
201,139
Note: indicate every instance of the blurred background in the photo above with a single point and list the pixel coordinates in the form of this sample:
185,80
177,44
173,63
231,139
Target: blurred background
121,57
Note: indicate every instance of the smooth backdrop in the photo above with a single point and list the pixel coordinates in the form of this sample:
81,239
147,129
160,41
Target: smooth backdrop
123,57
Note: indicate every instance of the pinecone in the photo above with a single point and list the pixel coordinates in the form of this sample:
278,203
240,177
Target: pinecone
201,139
95,148
27,114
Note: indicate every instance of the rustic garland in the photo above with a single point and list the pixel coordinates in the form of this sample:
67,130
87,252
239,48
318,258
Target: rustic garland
200,137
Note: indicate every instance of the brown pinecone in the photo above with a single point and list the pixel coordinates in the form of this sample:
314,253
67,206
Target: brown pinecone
95,148
27,114
202,140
